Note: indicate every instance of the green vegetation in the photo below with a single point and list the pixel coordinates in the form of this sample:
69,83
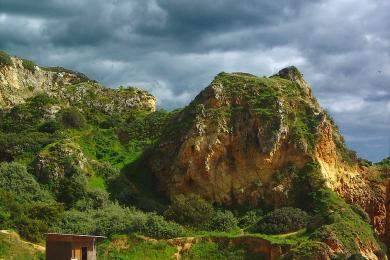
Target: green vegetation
306,182
15,178
341,223
309,250
384,162
129,247
283,220
5,59
28,65
113,219
210,250
80,76
30,219
13,248
72,118
223,221
192,211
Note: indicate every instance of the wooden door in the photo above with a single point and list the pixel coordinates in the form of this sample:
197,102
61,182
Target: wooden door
77,253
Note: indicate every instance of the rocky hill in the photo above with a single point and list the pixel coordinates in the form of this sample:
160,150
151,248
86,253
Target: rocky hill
241,138
21,79
248,140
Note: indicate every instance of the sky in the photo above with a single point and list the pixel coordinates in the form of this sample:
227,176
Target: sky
174,48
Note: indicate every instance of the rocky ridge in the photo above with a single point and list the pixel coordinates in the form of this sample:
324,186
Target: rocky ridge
18,83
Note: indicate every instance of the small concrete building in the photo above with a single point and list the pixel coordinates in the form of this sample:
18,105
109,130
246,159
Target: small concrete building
70,247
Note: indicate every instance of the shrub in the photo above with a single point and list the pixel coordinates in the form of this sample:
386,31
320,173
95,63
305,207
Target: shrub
283,220
305,185
26,145
191,210
250,218
358,210
223,221
15,179
315,222
73,186
113,219
29,65
5,59
156,226
309,250
50,126
31,229
72,118
94,199
105,170
30,219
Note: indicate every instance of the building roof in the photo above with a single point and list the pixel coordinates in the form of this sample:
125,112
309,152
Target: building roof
71,237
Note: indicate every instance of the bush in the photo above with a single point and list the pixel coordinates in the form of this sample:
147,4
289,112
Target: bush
250,218
49,126
223,221
192,211
309,250
283,220
156,226
358,210
72,118
305,185
21,146
5,59
315,222
105,170
113,219
29,65
94,199
30,219
14,178
76,222
73,186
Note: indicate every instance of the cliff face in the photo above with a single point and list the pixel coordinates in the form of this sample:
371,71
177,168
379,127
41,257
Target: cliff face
245,140
238,140
18,83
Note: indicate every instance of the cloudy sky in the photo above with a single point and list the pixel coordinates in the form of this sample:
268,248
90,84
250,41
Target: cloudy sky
174,48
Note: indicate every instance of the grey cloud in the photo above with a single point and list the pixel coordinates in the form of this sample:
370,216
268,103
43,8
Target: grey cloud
174,48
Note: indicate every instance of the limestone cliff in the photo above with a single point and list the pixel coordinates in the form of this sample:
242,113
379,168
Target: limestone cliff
237,140
19,81
244,139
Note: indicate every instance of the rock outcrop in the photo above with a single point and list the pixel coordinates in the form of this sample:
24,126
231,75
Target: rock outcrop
18,83
244,139
236,142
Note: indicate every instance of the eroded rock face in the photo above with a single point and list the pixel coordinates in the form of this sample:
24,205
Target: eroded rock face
236,143
18,83
239,136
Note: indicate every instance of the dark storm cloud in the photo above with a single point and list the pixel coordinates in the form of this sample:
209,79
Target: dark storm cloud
173,48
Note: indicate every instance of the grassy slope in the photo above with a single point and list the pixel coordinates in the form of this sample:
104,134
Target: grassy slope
12,247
